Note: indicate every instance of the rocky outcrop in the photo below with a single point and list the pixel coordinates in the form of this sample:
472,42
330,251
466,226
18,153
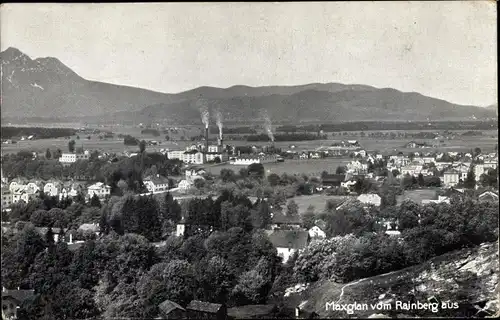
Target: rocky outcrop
463,283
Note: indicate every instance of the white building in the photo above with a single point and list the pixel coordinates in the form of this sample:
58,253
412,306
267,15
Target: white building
288,242
316,233
248,160
441,199
68,158
52,189
185,185
412,170
156,184
357,167
22,193
370,199
99,189
451,178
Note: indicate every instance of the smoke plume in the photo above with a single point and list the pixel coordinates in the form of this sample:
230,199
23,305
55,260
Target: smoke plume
268,125
202,104
218,120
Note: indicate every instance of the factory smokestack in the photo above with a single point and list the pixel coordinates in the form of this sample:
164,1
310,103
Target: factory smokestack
206,139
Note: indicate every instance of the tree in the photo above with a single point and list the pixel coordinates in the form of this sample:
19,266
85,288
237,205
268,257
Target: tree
142,146
292,209
470,180
309,218
95,202
421,181
273,179
477,151
256,170
71,146
48,155
18,256
249,289
215,279
227,175
173,281
490,179
341,170
199,183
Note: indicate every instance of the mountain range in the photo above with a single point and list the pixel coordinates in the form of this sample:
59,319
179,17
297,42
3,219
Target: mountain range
45,87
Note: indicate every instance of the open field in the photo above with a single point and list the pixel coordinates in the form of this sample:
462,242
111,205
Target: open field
310,167
316,200
486,142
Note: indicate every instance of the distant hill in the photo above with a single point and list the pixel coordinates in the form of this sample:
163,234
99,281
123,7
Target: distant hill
45,87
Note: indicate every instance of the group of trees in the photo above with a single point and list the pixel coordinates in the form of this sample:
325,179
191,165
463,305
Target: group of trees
39,133
412,182
128,140
153,132
222,258
287,137
356,247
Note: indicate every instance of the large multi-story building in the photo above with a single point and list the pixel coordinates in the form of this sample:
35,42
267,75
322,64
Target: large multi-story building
68,158
451,178
99,189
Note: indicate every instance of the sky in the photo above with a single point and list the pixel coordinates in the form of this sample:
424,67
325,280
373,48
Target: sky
446,50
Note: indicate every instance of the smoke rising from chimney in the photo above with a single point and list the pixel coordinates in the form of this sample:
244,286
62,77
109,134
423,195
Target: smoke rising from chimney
218,120
202,104
268,125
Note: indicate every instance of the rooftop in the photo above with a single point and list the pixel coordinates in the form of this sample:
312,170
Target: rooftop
281,218
293,239
203,306
168,306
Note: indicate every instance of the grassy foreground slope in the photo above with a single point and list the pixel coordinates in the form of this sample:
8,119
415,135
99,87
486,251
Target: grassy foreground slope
468,277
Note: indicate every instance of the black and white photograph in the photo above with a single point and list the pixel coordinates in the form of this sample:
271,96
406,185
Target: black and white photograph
249,160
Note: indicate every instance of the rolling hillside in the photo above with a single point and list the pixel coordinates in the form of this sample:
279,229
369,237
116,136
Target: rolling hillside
45,87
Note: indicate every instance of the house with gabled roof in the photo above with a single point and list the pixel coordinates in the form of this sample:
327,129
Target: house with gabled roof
205,310
488,196
12,300
282,220
156,183
52,189
171,310
288,242
333,180
99,189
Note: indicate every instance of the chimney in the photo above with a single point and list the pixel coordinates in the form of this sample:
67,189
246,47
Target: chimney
206,139
297,312
70,238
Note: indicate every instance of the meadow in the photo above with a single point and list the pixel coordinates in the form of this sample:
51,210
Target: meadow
486,142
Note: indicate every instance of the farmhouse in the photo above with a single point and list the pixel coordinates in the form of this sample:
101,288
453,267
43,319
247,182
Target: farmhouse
281,220
171,310
333,180
205,310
